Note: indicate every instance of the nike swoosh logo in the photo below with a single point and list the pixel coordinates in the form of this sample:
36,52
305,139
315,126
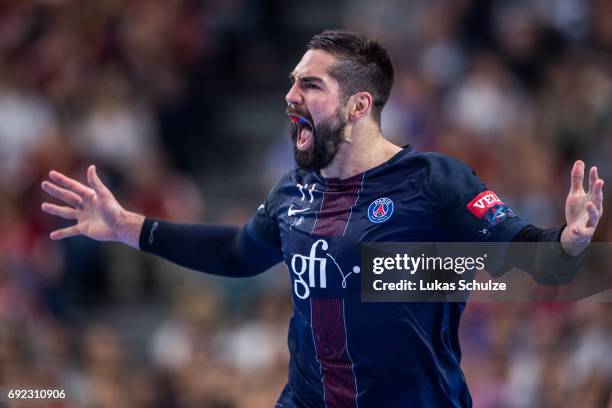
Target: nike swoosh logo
291,212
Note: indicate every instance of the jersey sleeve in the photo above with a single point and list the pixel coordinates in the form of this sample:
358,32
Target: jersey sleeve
218,249
263,226
465,208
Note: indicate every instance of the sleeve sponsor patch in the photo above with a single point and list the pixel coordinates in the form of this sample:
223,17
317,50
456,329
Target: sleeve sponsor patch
489,207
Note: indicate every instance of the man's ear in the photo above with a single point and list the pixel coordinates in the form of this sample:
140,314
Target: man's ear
360,105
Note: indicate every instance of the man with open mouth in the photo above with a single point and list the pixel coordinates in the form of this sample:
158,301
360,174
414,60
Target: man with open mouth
351,185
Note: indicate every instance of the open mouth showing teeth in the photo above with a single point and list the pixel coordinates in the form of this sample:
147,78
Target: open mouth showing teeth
303,130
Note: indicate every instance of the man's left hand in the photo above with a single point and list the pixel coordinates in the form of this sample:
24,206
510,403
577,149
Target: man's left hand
582,210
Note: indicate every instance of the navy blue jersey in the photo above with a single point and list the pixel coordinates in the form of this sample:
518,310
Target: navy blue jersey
345,353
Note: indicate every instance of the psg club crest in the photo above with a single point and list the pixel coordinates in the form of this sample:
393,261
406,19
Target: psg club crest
380,210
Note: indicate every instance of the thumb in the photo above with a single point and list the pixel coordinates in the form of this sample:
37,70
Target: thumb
94,181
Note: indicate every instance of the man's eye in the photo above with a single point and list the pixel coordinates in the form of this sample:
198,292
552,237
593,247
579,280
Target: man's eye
311,86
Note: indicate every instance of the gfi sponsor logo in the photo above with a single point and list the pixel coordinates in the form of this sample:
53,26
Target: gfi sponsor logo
316,266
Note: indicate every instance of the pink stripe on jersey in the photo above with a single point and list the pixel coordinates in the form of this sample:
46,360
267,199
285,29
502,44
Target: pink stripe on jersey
339,198
330,342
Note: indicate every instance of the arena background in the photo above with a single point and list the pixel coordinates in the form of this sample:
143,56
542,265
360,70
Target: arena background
180,105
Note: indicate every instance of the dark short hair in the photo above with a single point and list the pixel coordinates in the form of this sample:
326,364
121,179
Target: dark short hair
363,65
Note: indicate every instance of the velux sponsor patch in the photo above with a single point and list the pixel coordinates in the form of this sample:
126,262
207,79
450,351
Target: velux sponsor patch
489,207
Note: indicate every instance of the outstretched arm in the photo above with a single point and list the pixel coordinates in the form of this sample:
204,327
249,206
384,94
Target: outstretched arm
217,249
220,250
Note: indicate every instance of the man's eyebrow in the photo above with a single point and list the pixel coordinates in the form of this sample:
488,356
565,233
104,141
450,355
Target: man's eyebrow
304,78
311,79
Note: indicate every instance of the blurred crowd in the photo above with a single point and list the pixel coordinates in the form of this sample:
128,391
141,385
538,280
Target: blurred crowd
179,103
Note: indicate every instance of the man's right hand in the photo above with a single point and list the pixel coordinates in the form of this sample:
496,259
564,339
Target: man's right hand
99,216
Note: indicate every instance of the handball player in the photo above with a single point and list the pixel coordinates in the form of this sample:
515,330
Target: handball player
350,185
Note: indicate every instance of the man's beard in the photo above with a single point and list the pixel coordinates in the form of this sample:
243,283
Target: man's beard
327,138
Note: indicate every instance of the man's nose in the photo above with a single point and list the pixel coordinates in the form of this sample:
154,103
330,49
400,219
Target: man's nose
294,97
